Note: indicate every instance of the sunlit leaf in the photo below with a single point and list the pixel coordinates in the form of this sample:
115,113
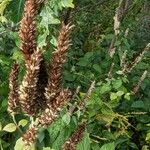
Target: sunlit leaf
113,96
20,145
23,122
67,3
11,127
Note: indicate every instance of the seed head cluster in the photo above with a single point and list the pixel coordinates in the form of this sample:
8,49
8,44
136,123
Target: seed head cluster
40,95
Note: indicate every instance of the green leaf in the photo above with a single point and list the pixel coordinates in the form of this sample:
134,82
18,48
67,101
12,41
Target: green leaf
83,62
119,72
66,118
113,96
48,19
117,84
88,55
97,68
47,148
67,3
85,143
20,145
82,94
3,19
127,96
106,108
41,135
0,126
138,104
145,147
3,5
105,88
54,41
108,146
17,55
16,9
23,122
42,39
11,127
148,137
69,76
120,93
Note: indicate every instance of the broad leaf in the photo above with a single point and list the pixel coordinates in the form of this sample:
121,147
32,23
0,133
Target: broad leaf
23,122
85,143
11,127
20,145
108,146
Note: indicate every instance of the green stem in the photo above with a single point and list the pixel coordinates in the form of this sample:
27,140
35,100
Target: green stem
15,122
1,145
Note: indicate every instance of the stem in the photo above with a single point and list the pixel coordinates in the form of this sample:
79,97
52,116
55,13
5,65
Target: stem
15,122
1,145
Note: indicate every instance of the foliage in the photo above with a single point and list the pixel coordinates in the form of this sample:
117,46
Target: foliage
116,118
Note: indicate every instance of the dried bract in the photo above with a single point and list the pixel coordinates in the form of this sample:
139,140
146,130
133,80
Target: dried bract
72,142
28,89
58,59
13,86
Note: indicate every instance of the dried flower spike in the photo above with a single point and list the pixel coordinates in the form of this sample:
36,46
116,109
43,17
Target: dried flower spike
47,117
72,142
58,59
138,59
87,95
137,86
13,86
30,136
27,31
28,89
51,113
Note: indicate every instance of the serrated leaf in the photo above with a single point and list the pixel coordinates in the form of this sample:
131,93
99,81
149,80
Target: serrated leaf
108,146
42,39
48,19
23,122
67,3
11,127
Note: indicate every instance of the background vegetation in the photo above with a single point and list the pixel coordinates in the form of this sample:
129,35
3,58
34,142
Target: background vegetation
117,113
